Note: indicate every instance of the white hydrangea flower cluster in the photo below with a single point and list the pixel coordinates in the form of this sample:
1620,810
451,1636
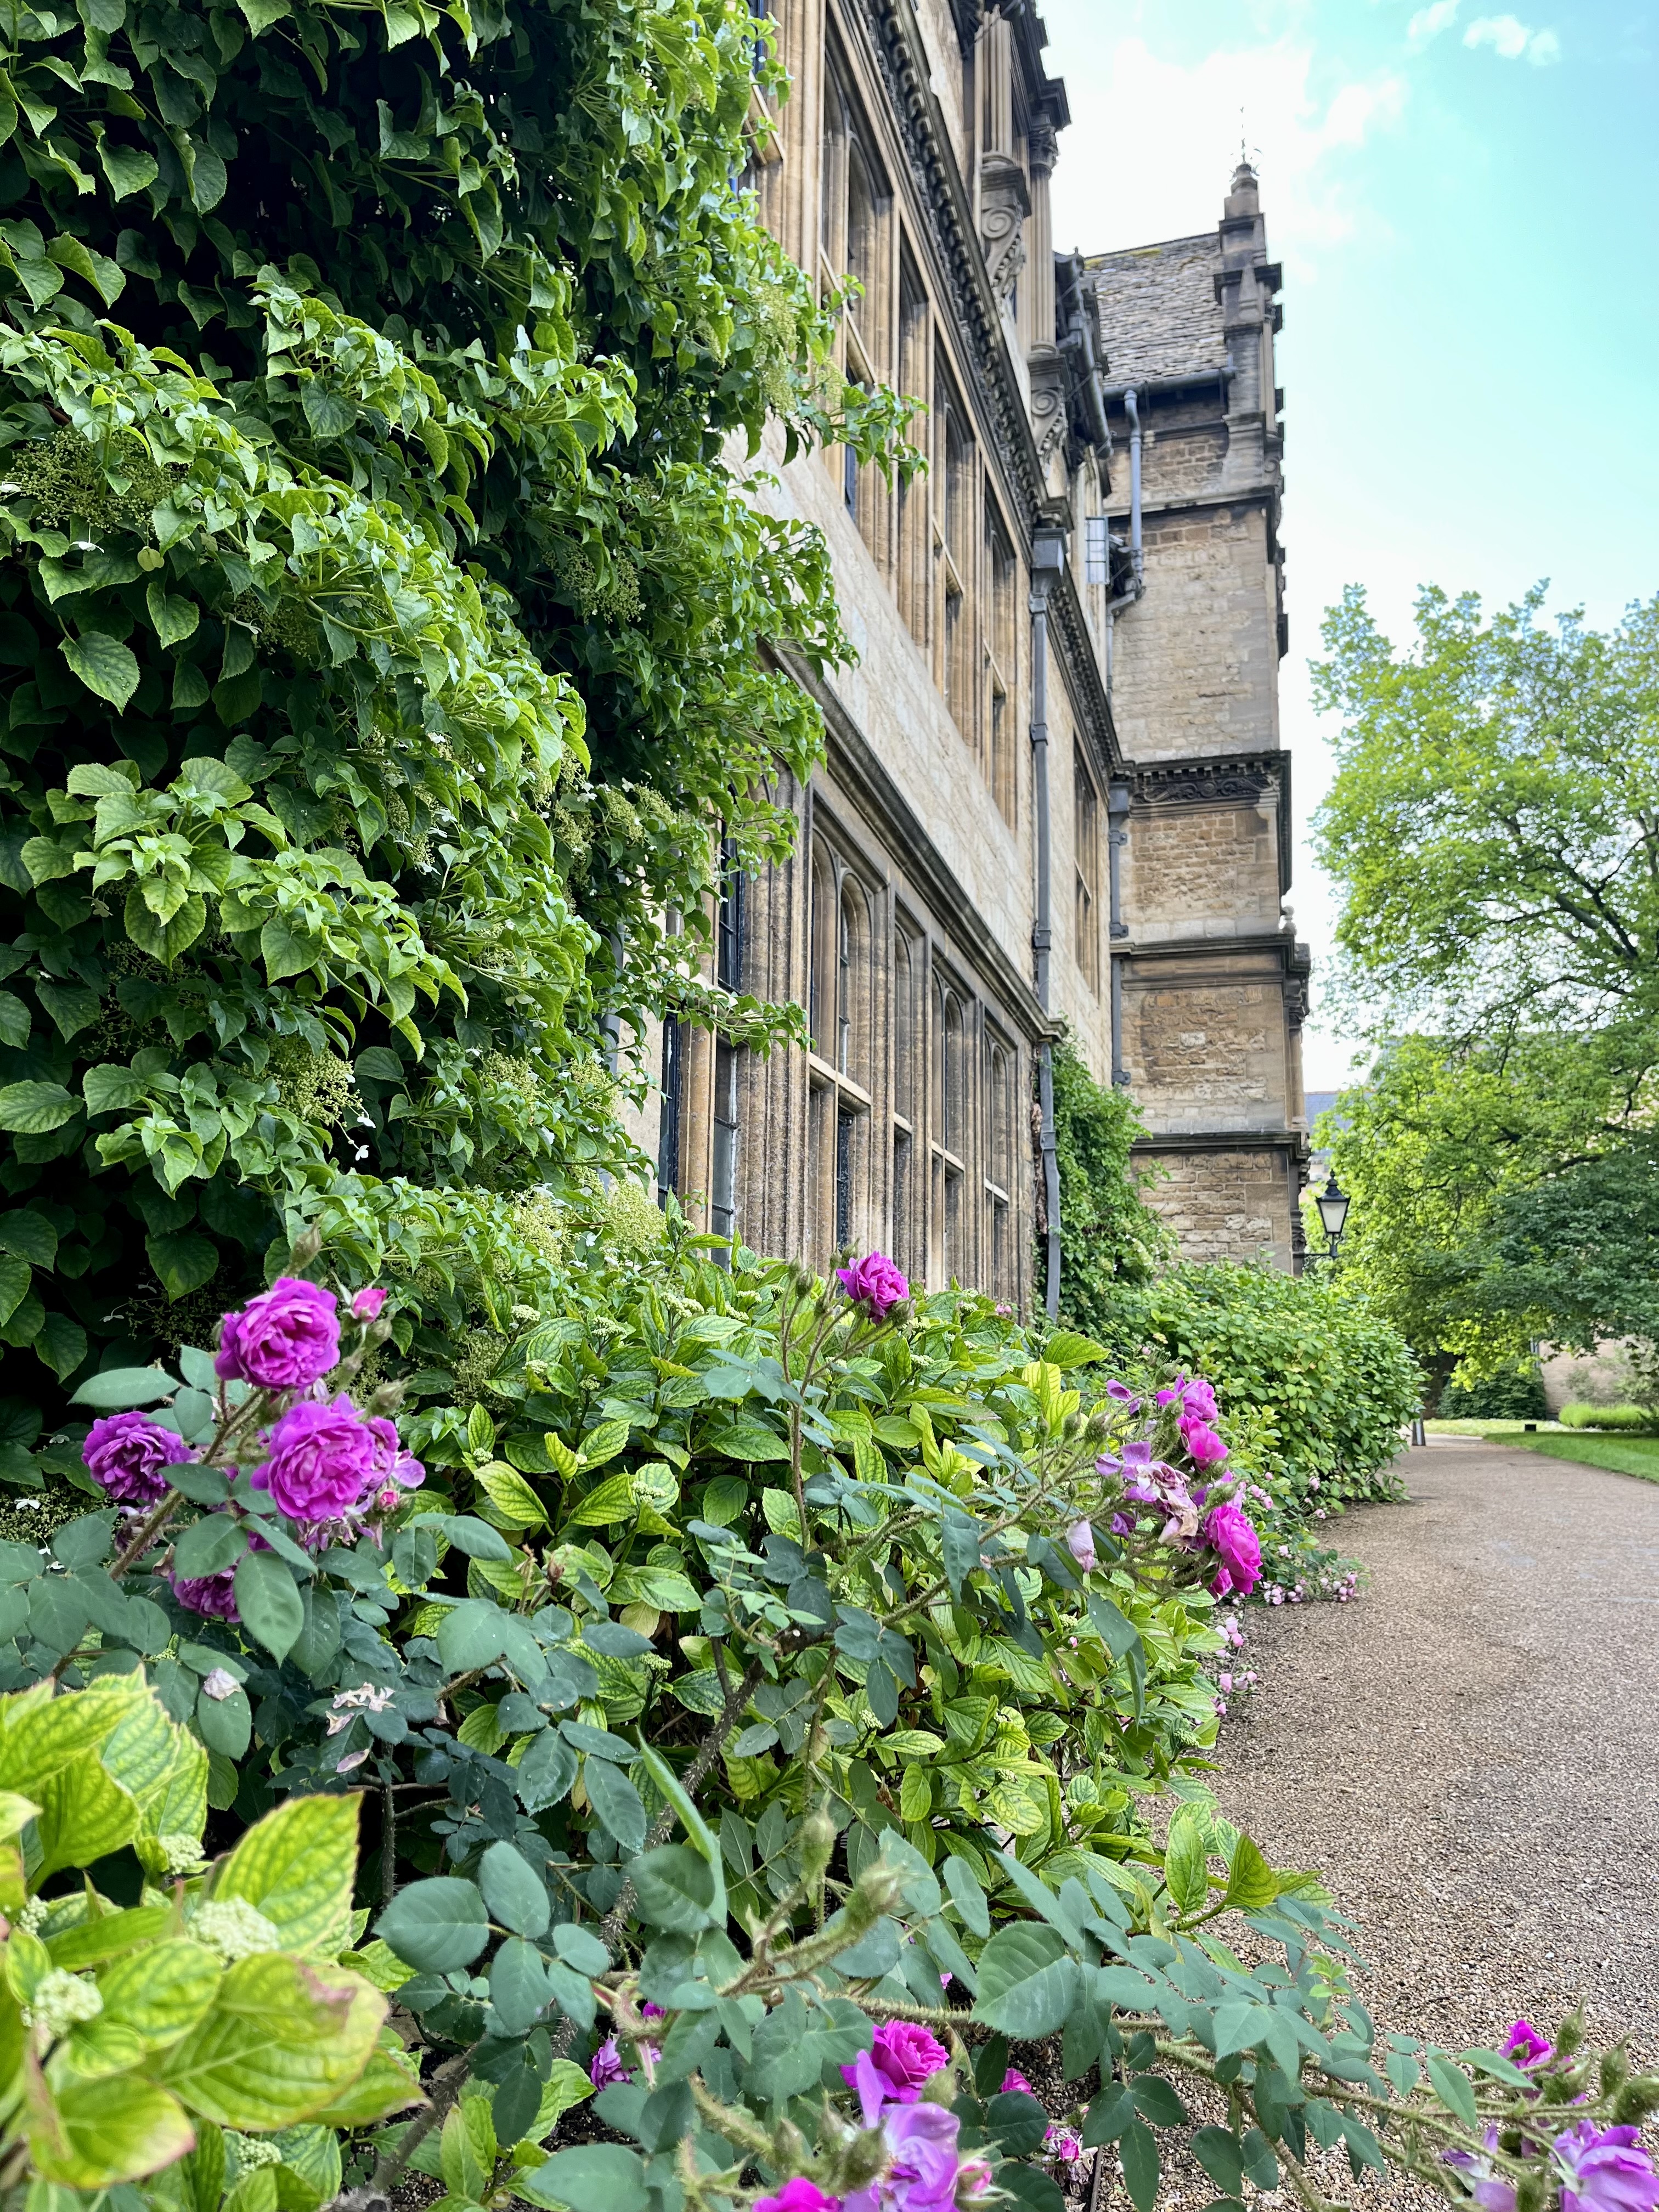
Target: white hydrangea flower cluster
180,1853
32,1916
234,1928
60,1999
251,2151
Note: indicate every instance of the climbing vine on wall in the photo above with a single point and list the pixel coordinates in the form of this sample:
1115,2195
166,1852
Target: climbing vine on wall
390,641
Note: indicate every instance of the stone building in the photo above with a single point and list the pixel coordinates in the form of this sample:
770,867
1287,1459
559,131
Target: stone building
1052,790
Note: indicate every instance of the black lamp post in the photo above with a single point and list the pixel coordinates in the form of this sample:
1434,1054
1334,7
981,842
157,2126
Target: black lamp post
1332,1203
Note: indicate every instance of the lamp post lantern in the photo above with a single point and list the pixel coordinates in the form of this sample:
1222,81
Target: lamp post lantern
1332,1203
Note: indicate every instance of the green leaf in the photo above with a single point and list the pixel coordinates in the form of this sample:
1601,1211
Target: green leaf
208,1546
297,1865
225,1724
103,665
435,1926
15,1276
1156,2099
616,1800
72,1006
1027,1982
1251,1882
173,620
545,1772
15,1021
1065,1348
160,1990
1139,2151
1453,2088
30,1235
1184,1860
110,1089
596,2178
31,1108
675,1888
511,1495
60,1343
514,1892
967,1894
183,1260
603,1441
127,170
95,2134
282,2039
269,1602
118,1388
164,940
1218,2151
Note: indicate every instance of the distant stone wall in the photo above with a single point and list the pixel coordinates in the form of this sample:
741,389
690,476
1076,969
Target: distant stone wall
1224,1205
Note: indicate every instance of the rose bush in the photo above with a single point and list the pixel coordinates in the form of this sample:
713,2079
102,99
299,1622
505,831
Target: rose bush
749,1768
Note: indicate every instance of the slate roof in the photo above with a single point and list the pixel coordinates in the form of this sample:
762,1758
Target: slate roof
1159,313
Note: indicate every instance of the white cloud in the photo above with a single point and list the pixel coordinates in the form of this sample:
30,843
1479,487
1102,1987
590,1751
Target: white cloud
1153,160
1512,39
1429,22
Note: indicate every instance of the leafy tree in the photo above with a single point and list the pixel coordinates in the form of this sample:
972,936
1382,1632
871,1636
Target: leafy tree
1494,819
392,640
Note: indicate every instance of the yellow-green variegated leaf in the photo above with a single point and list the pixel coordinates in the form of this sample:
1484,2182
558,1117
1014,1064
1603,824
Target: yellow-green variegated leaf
1017,1808
297,1865
389,2083
282,2040
91,2134
161,1991
165,1768
378,1963
15,1814
511,1495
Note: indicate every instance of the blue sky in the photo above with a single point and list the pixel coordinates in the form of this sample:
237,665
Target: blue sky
1466,203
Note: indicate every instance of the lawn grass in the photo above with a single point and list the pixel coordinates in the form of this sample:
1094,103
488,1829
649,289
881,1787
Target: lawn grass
1504,1429
1638,1456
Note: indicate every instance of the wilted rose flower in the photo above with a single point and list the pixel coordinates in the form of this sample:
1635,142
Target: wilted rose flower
1604,2170
1526,2046
125,1454
1232,1537
875,1284
286,1339
606,2068
1123,1394
394,1468
1080,1543
1063,2143
366,1306
798,2195
322,1460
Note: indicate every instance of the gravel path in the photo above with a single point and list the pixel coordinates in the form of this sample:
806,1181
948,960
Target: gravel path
1469,1751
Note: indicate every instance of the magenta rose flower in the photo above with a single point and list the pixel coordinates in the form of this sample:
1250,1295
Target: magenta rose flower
213,1596
798,2195
1201,1441
366,1306
286,1339
1231,1536
1604,2170
923,2161
875,1284
1013,2080
1080,1543
904,2055
1526,2046
126,1453
323,1458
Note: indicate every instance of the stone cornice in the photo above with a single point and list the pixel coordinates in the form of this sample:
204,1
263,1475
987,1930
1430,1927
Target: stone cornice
896,45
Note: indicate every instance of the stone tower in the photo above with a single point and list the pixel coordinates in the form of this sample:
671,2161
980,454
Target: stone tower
1214,982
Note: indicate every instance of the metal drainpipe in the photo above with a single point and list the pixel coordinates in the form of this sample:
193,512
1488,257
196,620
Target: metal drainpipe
1117,837
1048,562
1137,557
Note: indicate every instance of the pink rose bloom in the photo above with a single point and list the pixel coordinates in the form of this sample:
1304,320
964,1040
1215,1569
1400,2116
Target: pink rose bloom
322,1460
798,2195
1526,2046
366,1306
1201,1441
286,1339
904,2055
1080,1543
213,1596
1014,2080
125,1454
875,1284
1231,1536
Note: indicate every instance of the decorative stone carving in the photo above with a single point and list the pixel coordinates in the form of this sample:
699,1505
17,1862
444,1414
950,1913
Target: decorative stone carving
1004,201
1047,369
1043,144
